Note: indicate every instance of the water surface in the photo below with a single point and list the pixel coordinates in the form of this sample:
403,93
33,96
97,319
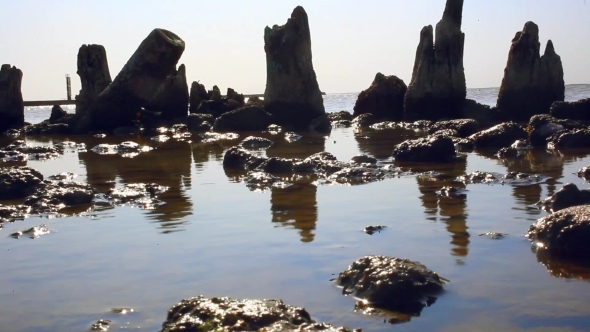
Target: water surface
215,237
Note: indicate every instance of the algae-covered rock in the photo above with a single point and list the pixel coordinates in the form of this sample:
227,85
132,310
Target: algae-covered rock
391,283
198,314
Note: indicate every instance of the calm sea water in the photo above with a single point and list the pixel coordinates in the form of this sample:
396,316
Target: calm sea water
215,237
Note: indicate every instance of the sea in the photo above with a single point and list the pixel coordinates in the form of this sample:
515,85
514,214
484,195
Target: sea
213,236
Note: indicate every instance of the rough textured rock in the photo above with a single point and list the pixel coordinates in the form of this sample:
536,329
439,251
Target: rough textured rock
292,92
172,98
565,197
384,98
255,101
464,127
93,69
584,172
19,182
198,93
577,138
364,120
57,114
426,149
12,110
531,82
573,110
340,116
137,83
195,122
391,283
238,97
543,126
498,136
483,114
564,233
242,119
437,89
199,314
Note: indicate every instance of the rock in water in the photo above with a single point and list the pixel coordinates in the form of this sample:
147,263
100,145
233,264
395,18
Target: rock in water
564,233
138,82
573,110
93,70
292,92
197,95
172,97
437,89
531,83
57,114
384,98
12,109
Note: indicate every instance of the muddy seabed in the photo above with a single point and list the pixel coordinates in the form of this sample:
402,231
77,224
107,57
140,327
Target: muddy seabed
213,236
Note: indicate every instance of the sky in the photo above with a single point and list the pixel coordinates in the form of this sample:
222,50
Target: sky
351,40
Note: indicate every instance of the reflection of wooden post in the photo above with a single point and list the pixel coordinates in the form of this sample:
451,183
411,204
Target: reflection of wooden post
69,87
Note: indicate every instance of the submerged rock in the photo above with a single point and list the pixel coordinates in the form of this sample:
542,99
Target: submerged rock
12,213
584,172
568,195
391,283
127,149
32,232
374,229
292,92
256,143
437,89
143,195
512,178
426,149
494,235
531,82
452,192
498,136
102,325
384,98
225,314
564,233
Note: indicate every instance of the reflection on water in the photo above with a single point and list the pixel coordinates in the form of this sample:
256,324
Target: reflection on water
229,245
296,206
169,165
561,268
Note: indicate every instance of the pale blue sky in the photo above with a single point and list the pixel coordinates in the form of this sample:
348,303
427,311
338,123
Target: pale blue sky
351,40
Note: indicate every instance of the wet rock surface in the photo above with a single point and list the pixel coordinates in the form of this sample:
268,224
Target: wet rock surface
326,169
19,150
452,192
390,283
19,182
568,139
127,149
584,172
255,143
143,195
374,229
225,314
499,136
543,126
463,127
101,325
32,232
364,120
569,195
511,178
426,149
493,235
564,233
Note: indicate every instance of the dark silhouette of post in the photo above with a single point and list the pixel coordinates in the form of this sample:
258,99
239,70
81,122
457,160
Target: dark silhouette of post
69,87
